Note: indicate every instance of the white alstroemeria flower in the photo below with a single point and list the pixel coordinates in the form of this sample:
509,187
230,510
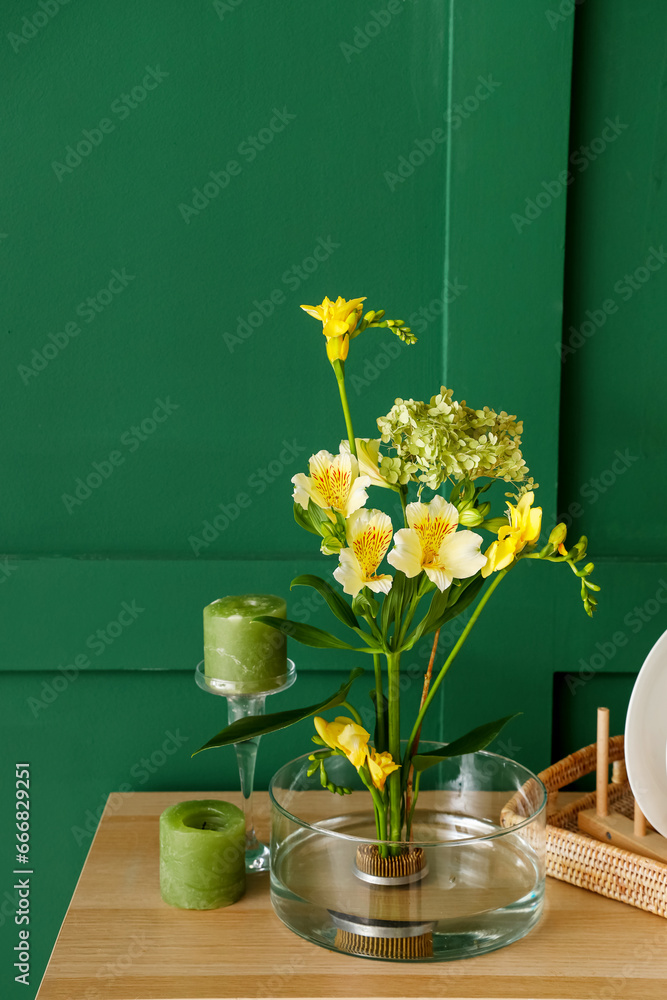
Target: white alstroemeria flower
369,535
433,544
368,454
334,484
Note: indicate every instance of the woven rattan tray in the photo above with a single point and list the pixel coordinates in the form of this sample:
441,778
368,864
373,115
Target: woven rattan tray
574,857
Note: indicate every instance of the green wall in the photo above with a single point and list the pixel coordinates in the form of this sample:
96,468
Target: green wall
153,339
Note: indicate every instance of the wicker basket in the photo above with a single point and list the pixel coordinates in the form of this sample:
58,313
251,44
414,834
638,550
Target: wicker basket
576,858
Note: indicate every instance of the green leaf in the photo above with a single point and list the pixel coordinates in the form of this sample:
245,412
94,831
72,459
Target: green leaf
437,608
444,607
365,603
308,635
302,519
317,515
394,603
476,739
388,610
337,604
253,726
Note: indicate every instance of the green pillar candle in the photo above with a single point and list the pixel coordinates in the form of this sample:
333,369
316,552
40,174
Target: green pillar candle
243,656
202,854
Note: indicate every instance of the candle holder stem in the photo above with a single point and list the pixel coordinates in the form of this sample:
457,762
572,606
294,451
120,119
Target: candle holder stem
238,707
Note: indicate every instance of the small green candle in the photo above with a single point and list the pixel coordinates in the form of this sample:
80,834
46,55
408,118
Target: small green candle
202,854
244,656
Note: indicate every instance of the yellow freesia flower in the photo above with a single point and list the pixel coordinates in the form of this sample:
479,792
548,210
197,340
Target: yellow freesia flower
525,524
381,765
346,735
334,484
369,535
433,544
339,319
368,455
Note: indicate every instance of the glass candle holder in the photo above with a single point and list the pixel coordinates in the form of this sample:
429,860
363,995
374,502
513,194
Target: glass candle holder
239,706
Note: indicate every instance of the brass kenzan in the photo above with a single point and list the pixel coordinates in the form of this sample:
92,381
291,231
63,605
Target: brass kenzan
370,861
386,947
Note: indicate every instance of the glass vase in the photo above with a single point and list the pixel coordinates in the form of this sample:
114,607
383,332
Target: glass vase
471,880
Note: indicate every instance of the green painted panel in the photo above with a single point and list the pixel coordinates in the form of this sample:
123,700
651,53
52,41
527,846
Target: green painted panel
178,392
398,176
533,626
500,334
575,712
614,356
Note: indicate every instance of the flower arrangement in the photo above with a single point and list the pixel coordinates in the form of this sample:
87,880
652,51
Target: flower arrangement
437,566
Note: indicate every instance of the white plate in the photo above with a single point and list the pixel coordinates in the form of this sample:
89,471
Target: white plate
646,737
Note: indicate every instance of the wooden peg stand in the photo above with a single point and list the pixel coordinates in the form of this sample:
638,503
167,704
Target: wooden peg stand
610,826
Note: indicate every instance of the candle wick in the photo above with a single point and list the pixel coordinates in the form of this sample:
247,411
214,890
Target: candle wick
204,825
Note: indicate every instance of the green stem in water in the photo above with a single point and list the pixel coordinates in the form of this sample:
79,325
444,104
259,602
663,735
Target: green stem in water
379,807
381,736
452,656
339,369
412,807
394,743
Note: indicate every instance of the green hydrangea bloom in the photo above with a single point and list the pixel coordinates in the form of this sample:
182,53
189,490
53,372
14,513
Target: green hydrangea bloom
445,439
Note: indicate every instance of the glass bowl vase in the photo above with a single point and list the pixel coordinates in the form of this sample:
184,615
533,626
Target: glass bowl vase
479,829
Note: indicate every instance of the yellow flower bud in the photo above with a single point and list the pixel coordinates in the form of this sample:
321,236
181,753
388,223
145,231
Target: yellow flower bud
337,348
470,518
558,535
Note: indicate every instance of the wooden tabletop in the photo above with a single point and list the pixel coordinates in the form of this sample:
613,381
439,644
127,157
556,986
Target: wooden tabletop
120,941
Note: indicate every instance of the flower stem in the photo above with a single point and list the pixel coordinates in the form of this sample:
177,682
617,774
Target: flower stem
339,370
408,620
452,656
411,808
379,809
381,736
394,742
353,712
403,491
411,798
